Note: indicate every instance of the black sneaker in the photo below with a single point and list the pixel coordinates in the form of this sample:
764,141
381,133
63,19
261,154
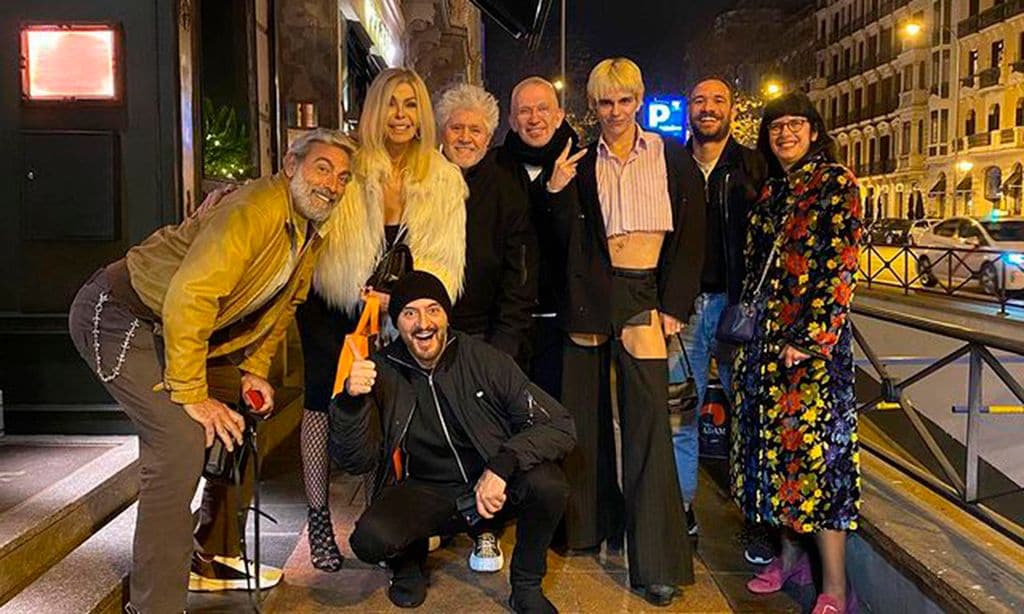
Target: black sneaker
692,528
408,587
486,556
758,547
530,601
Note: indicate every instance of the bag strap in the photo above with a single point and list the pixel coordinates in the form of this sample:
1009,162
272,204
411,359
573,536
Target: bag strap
686,357
779,238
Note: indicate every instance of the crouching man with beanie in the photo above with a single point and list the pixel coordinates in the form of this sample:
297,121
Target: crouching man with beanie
442,417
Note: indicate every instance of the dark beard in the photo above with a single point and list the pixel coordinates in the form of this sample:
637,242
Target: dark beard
720,135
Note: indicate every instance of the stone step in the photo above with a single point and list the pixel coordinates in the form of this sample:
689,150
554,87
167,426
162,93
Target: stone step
56,492
92,579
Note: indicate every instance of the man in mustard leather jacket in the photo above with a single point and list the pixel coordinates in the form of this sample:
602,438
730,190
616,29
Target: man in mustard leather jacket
221,287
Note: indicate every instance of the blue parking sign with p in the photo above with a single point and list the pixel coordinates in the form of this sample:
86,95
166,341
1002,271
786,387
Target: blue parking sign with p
666,114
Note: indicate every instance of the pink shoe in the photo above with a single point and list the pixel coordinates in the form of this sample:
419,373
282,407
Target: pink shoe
772,578
827,604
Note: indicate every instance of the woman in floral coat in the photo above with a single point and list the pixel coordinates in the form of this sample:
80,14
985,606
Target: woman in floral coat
795,460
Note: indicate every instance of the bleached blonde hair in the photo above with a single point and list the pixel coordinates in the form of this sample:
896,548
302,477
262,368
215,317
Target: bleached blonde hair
373,121
614,74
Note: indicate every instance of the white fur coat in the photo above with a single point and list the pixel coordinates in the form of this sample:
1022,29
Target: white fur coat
434,214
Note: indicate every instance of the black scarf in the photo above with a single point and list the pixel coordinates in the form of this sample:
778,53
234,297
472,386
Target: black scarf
543,157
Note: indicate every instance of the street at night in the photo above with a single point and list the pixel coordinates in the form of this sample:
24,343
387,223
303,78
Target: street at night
525,306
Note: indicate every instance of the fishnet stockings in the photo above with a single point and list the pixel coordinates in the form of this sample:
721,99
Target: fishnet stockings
316,467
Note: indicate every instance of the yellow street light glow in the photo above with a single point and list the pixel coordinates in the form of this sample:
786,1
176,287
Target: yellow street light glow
772,89
559,84
912,29
964,166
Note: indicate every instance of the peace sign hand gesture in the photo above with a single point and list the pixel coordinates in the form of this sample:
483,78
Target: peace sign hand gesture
565,168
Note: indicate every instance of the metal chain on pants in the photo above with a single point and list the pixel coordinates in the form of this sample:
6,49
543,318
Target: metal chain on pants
104,297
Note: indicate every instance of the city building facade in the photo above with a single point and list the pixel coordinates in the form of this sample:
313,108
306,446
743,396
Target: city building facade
923,97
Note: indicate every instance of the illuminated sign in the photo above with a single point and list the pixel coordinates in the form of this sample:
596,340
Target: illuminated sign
666,114
381,35
69,63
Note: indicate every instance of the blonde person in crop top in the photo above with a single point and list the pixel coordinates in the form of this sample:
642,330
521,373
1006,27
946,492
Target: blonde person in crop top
634,259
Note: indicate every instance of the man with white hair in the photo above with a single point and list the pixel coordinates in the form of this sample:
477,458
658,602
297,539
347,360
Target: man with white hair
501,271
540,139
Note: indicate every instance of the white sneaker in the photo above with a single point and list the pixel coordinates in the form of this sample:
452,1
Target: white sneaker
228,573
486,556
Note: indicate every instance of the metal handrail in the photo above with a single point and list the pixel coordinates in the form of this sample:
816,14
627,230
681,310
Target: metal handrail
901,269
963,491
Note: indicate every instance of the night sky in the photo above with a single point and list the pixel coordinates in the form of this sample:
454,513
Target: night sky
651,32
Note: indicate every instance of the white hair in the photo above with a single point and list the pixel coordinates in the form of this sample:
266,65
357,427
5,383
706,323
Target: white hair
467,96
301,145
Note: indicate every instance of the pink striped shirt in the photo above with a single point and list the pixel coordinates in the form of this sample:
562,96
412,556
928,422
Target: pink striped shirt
634,194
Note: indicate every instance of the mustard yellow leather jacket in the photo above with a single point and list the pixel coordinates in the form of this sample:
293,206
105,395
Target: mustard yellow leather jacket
200,276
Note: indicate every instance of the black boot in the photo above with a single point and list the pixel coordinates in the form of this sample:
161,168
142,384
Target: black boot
323,550
408,587
530,600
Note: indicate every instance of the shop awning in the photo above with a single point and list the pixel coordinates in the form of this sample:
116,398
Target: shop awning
966,184
939,189
1012,185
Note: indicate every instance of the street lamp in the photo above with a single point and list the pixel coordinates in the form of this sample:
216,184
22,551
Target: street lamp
773,89
559,84
965,166
911,30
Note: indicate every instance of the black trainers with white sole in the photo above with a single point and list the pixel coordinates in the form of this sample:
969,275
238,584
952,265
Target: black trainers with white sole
486,556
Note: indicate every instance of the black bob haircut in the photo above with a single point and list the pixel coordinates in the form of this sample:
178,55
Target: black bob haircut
797,104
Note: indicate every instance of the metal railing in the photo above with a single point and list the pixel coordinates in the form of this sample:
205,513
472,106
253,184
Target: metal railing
943,476
951,272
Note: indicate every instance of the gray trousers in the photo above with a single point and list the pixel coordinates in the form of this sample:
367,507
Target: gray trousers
171,453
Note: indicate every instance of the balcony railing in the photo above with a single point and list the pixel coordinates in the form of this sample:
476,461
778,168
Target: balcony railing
982,139
968,26
989,77
989,17
968,81
1018,66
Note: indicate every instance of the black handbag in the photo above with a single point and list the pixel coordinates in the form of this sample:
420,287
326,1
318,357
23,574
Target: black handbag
395,262
739,321
682,396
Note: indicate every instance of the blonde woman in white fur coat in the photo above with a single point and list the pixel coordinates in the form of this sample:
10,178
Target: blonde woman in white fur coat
404,191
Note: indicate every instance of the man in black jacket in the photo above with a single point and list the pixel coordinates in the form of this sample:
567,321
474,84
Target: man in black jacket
445,418
732,177
539,135
500,290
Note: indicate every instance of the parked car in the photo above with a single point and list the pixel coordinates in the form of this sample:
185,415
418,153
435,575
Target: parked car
890,231
988,250
919,227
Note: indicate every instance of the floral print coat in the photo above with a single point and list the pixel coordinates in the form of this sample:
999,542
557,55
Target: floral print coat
795,459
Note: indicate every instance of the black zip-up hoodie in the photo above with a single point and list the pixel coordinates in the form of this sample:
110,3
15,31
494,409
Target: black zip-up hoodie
511,422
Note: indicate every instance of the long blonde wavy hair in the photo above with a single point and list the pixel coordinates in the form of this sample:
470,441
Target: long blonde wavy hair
373,124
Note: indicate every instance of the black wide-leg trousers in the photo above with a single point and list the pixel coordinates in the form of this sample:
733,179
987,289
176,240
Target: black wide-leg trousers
648,506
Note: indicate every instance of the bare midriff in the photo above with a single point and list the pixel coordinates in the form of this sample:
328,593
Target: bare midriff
636,250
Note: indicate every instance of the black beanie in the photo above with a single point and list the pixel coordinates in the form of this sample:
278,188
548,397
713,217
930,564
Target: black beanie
413,286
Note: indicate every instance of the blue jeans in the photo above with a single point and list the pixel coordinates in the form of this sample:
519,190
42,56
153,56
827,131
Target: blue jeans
701,345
